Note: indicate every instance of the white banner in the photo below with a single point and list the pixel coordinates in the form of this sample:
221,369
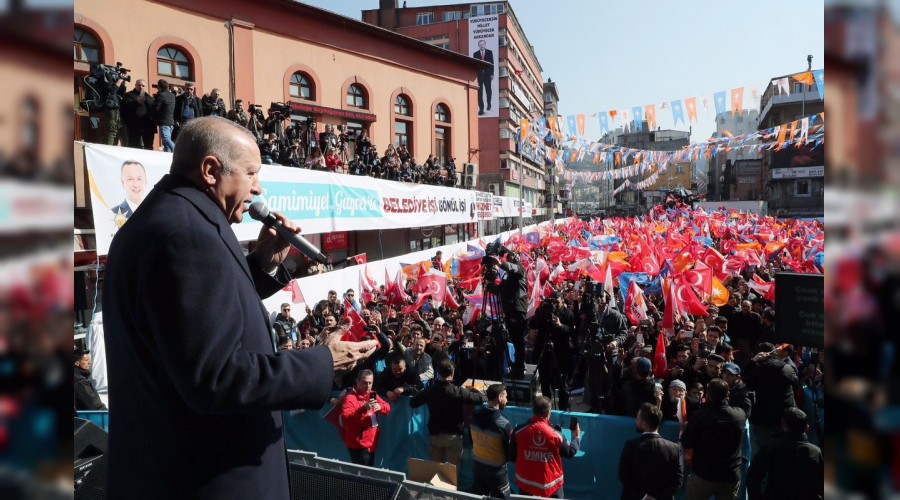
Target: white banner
484,205
505,206
319,202
484,44
28,206
798,172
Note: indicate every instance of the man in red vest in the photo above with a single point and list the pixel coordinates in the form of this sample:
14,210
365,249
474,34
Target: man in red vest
538,448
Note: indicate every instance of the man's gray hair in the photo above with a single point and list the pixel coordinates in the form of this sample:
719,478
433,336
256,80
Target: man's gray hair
364,373
207,136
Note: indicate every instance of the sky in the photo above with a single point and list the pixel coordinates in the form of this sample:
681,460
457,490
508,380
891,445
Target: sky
621,54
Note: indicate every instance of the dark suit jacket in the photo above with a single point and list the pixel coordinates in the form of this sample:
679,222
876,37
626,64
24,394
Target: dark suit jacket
489,57
181,102
650,465
123,207
197,384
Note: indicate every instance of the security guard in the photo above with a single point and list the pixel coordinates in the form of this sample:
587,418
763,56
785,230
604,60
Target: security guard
538,448
491,435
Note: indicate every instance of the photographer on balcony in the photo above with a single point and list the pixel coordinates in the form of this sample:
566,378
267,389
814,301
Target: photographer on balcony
212,104
328,139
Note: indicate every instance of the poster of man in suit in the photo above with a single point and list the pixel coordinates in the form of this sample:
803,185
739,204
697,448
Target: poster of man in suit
484,44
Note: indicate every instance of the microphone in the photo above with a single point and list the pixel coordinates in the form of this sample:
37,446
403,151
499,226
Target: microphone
259,211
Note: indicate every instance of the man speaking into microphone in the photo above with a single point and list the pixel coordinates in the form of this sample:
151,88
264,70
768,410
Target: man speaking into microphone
196,388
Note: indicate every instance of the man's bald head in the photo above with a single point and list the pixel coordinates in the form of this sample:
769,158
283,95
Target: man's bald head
209,136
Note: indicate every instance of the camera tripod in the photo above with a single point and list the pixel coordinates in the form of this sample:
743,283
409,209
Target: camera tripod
554,366
499,334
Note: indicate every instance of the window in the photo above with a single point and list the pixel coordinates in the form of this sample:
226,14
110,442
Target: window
300,86
355,96
87,48
485,10
401,133
504,102
451,16
679,169
424,18
401,106
445,46
801,188
173,62
30,129
503,41
441,114
504,71
441,136
504,133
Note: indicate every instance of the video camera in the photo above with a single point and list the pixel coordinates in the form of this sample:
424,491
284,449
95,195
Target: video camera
494,249
101,86
280,110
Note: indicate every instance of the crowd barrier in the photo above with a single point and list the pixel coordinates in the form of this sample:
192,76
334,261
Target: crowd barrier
404,434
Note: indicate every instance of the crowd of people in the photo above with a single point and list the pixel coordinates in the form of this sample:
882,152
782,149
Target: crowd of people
281,141
711,368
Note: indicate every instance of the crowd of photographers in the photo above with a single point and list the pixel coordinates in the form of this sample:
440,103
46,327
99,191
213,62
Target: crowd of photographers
133,118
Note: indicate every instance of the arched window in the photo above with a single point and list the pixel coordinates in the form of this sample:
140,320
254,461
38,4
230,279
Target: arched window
87,47
441,114
301,86
170,61
356,96
442,133
401,106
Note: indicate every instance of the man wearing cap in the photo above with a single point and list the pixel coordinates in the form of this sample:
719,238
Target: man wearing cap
739,394
86,397
677,402
639,389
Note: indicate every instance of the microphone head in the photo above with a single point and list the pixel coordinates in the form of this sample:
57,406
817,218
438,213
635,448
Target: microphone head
258,210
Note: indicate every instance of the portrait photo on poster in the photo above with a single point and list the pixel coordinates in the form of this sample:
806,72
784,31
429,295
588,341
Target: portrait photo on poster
484,44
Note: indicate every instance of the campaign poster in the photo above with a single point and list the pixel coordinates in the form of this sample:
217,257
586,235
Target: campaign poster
484,45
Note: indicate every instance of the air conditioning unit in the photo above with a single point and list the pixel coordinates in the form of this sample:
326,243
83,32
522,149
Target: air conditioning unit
470,179
494,189
470,168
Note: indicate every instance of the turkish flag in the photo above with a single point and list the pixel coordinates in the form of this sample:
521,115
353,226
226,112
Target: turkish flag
296,294
764,288
700,278
671,313
648,264
366,287
660,366
451,300
356,331
714,260
394,292
434,284
687,299
360,259
418,305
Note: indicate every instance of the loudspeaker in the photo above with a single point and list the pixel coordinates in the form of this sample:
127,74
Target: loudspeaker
312,482
80,291
90,460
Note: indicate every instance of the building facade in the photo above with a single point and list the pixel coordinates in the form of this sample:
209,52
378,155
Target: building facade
521,91
633,201
736,175
325,67
795,177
